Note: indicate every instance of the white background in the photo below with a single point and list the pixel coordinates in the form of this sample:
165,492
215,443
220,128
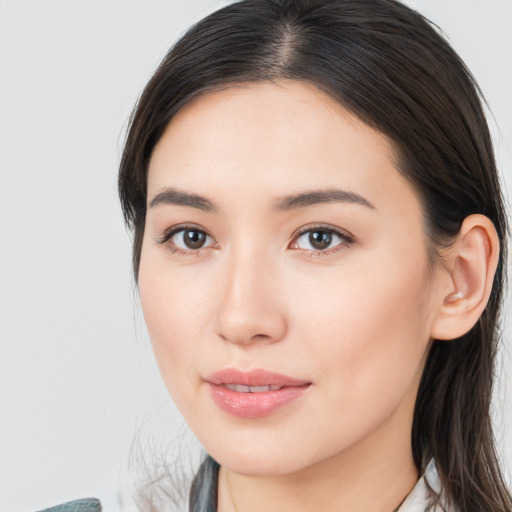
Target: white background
77,379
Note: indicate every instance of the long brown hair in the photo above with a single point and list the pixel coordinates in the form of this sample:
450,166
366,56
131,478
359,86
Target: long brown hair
391,67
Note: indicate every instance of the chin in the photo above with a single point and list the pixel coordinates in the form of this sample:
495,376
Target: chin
259,465
258,458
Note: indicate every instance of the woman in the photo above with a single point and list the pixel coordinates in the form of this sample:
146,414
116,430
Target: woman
319,244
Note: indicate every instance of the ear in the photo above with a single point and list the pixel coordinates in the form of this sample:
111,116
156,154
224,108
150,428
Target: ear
465,283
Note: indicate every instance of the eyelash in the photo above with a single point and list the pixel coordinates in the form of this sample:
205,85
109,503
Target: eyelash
346,239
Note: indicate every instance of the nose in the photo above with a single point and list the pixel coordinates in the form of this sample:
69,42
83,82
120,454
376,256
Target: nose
250,308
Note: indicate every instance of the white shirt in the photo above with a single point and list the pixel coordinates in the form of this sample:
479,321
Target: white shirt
419,499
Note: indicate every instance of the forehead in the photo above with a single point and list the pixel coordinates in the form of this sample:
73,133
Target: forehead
276,138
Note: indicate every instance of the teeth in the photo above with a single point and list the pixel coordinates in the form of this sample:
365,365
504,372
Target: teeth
240,388
259,389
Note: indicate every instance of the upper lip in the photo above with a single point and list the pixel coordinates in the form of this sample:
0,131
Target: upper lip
257,377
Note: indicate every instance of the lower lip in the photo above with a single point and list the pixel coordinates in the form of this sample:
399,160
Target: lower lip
255,405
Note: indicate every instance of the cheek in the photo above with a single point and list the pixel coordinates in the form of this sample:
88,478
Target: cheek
176,311
366,324
364,332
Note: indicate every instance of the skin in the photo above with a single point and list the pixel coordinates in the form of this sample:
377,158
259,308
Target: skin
355,319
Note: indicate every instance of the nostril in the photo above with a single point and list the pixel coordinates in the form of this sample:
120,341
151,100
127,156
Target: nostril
245,340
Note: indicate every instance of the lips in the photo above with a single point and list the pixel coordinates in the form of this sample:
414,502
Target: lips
253,378
254,394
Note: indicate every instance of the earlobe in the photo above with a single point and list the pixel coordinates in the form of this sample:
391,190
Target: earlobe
467,281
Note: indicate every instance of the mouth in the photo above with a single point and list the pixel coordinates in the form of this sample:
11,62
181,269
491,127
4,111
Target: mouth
254,394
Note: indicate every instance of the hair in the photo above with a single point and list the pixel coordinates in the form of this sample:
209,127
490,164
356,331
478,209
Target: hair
389,66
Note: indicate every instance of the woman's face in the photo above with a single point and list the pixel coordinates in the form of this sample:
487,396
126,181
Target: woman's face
284,279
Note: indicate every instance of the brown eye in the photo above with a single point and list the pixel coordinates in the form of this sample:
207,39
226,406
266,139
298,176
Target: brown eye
193,238
187,239
320,240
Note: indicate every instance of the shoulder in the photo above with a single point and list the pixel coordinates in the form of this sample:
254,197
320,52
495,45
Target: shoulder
83,505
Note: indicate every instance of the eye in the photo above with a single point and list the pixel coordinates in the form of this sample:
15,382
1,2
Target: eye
321,240
187,239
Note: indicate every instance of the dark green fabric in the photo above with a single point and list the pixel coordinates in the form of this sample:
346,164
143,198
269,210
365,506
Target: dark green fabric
85,505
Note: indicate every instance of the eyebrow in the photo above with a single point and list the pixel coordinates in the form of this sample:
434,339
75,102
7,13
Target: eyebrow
287,203
314,197
179,197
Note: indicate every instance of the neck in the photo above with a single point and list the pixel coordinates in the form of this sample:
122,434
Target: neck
379,489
